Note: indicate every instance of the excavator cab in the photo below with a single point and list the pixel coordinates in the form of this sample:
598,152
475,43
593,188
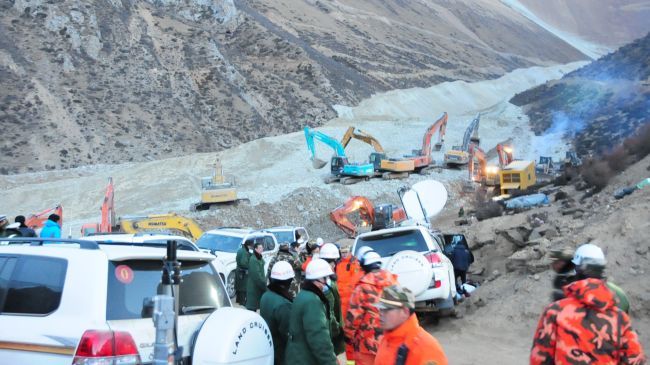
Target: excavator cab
376,158
383,216
337,164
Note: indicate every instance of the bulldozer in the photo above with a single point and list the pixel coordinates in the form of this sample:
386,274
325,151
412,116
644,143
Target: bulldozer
216,190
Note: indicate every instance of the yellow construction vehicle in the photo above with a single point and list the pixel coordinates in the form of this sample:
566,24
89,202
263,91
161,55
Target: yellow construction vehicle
168,223
387,168
459,155
216,190
517,175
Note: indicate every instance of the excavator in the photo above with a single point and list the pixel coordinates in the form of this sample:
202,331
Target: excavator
35,221
488,175
107,217
216,190
376,217
168,223
459,155
341,168
387,168
422,158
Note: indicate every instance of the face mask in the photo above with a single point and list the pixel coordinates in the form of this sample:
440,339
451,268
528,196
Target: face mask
326,289
250,250
315,256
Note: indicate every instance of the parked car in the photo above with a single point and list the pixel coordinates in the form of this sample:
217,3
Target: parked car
415,255
289,233
80,302
152,240
225,242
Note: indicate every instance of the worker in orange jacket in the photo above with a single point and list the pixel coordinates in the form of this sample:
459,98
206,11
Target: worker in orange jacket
362,318
404,342
348,273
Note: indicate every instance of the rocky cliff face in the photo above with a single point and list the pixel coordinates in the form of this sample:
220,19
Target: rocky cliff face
87,82
598,105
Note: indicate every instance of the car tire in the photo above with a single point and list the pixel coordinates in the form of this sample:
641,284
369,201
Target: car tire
230,284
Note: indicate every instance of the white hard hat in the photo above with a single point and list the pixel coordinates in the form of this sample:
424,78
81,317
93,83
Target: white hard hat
589,254
362,251
318,268
319,242
370,257
15,225
329,251
282,270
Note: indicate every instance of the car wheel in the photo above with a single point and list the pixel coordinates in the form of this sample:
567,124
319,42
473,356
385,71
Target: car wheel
230,284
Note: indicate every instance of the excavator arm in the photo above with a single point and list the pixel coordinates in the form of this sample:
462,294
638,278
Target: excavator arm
161,222
477,164
362,136
471,133
108,214
439,127
312,135
356,203
505,155
37,220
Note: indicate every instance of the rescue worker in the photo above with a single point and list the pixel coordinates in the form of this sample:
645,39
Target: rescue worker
294,249
24,230
348,272
362,319
241,275
404,342
51,229
312,250
256,283
586,327
285,255
330,253
7,230
564,265
309,335
275,307
461,259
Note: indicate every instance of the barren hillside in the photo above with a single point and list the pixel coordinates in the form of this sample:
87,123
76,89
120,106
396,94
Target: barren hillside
117,81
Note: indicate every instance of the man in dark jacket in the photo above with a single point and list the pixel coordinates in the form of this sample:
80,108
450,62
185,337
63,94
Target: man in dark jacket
275,307
241,272
309,335
256,283
285,255
461,258
24,230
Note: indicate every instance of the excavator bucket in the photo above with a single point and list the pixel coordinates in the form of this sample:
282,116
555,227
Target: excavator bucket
318,163
438,146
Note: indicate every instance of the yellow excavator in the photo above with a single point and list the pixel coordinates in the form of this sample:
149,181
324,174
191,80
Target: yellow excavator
168,223
385,167
216,190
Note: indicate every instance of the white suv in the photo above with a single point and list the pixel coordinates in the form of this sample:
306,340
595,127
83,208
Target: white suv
289,234
225,242
414,254
79,302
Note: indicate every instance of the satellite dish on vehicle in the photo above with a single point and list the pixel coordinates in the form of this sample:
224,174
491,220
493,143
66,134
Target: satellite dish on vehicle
233,336
423,200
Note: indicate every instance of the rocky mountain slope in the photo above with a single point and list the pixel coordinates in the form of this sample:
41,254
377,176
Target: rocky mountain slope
597,105
118,81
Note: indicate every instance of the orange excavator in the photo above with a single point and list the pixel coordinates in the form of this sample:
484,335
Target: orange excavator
479,171
35,221
422,157
108,214
375,217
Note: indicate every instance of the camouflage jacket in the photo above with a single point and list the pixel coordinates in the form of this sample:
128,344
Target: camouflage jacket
291,259
585,328
362,318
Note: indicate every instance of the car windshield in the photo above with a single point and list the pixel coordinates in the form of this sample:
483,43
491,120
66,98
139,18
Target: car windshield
217,242
391,243
131,282
283,236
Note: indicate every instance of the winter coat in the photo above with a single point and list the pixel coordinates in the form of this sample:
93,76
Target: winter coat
256,284
241,275
275,308
348,273
362,319
585,328
309,335
461,257
51,230
336,320
422,347
26,232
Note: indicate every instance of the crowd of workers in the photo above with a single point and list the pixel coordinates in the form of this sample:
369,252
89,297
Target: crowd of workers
51,228
322,302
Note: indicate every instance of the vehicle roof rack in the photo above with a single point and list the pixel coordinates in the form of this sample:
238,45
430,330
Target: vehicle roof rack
181,244
34,241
